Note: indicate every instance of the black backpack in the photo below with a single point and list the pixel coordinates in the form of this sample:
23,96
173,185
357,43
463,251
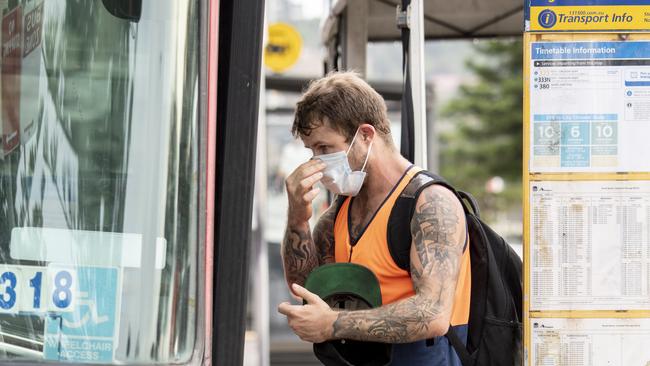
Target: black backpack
494,335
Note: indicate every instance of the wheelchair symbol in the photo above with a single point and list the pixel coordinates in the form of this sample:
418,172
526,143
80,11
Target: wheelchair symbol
91,315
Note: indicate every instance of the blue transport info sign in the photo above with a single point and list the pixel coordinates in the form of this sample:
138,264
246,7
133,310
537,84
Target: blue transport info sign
87,334
589,106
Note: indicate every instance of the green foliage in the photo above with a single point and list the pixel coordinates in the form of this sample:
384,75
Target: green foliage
485,138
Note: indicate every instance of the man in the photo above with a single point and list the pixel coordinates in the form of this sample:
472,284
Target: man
341,116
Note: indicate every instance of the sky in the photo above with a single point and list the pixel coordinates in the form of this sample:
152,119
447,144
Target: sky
312,8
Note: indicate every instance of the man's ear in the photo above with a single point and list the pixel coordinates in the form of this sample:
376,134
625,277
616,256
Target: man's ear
367,132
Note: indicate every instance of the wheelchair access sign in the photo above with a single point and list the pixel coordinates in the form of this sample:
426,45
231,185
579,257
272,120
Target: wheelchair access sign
87,333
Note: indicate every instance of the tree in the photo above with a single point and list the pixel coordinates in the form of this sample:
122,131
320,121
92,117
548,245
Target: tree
486,137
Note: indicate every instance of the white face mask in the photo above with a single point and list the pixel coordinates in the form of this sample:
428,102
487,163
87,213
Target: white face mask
338,177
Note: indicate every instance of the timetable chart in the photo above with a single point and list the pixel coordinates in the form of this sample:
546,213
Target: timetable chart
590,342
590,245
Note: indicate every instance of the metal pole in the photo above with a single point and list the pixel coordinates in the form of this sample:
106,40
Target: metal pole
433,150
355,36
260,263
416,64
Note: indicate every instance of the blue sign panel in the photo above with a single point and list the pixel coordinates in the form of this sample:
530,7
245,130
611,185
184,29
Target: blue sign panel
589,50
88,333
574,117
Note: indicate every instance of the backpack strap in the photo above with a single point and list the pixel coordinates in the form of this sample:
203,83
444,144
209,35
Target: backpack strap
460,348
399,221
470,206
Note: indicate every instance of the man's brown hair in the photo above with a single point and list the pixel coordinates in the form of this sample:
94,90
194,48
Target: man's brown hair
344,101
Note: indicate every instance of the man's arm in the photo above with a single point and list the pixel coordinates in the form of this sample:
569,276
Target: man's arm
301,253
438,230
324,234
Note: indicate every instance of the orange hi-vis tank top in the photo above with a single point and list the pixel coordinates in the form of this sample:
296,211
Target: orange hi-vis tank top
371,250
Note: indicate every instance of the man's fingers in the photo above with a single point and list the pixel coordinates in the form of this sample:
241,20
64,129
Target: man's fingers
305,176
311,298
311,167
309,196
285,308
295,297
311,180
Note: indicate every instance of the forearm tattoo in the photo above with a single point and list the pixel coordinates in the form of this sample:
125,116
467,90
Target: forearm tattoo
438,236
301,254
400,322
298,254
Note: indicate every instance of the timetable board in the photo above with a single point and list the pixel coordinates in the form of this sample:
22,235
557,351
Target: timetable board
586,184
590,245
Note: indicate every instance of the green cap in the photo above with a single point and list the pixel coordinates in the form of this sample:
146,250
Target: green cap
352,287
337,279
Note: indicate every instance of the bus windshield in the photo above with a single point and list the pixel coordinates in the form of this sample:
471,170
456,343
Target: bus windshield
99,180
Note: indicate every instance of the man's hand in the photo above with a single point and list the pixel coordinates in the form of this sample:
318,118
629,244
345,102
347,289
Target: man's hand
300,252
301,190
311,322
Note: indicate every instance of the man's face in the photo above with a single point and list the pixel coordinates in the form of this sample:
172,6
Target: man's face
325,140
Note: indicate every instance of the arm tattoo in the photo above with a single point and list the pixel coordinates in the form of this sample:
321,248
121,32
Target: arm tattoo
324,236
434,229
400,322
298,254
301,254
438,237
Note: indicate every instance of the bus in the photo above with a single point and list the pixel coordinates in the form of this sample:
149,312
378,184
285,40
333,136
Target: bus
128,141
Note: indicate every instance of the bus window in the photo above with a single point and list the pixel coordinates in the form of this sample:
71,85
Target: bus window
99,181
